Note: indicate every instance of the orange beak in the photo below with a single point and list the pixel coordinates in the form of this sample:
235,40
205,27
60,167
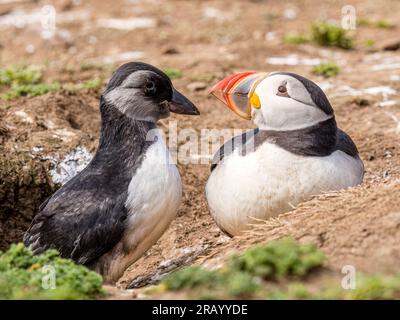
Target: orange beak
237,92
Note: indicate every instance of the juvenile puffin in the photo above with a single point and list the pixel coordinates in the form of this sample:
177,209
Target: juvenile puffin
295,152
114,210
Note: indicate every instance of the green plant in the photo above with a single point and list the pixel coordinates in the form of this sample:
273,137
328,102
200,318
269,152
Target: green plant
30,90
85,85
188,278
20,75
239,284
367,287
173,73
381,23
22,274
266,271
296,39
242,276
327,34
369,43
278,258
375,287
328,69
385,24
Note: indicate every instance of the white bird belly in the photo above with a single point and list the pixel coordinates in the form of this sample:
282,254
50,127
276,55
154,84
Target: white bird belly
271,181
154,196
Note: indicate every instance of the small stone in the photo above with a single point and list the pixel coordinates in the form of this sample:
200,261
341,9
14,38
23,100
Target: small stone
197,86
391,45
171,51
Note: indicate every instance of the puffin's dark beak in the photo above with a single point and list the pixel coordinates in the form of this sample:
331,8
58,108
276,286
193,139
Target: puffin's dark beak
237,92
182,105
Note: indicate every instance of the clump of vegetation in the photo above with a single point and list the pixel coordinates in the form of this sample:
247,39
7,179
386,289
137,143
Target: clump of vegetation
323,34
278,258
328,69
385,24
211,284
27,276
20,75
296,39
30,90
85,85
272,271
367,288
381,23
173,73
242,276
368,43
330,35
26,81
189,278
375,287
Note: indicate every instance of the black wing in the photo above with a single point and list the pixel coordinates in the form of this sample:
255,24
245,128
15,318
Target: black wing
82,220
345,144
237,142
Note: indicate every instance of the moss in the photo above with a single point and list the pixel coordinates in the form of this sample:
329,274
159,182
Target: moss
375,287
381,23
266,272
278,258
22,276
329,69
327,34
367,287
30,90
296,39
33,90
92,84
241,276
20,75
239,284
385,24
368,43
22,80
189,278
323,34
173,73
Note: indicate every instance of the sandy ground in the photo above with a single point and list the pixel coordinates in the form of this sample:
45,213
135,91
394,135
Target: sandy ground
208,40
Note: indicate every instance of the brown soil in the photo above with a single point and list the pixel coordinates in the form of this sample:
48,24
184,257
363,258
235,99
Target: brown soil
359,226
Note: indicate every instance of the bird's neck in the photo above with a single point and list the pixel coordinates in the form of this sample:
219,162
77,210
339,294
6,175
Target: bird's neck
121,132
316,140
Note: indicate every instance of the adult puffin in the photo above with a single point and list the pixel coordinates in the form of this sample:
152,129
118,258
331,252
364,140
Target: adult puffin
114,210
295,152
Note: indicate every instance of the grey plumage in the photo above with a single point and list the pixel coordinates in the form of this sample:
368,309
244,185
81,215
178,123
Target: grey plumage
87,217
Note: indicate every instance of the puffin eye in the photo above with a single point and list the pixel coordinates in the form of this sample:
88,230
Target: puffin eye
282,90
150,87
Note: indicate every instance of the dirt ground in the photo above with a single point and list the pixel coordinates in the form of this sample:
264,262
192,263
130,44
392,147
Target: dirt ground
207,40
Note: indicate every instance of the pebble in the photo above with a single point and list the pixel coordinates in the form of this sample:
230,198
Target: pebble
197,86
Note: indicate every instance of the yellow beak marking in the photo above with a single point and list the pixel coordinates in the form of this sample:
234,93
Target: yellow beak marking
255,101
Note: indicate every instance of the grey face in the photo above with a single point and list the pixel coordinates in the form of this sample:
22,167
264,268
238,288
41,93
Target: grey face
143,95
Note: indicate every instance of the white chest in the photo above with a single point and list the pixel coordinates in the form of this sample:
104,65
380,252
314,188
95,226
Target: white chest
272,180
154,196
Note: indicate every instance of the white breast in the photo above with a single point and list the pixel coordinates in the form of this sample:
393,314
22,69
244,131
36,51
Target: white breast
154,196
272,180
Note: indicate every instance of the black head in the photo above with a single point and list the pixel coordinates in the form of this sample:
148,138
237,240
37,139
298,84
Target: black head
144,92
